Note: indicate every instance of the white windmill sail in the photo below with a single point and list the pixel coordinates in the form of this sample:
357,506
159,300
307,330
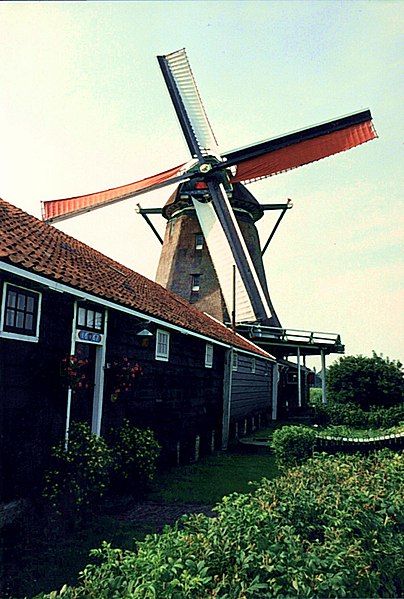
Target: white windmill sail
184,82
223,260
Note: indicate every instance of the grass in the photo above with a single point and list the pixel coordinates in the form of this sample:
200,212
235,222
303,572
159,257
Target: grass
44,565
209,480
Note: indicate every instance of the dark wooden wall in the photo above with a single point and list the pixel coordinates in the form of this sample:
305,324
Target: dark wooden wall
32,400
251,391
179,399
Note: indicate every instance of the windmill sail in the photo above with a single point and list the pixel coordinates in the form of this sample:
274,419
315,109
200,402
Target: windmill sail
223,261
57,210
188,104
227,247
284,153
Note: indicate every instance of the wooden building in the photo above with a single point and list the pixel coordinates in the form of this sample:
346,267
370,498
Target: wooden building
201,383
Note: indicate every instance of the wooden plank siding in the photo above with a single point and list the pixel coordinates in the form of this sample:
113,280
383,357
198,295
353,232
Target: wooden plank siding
251,391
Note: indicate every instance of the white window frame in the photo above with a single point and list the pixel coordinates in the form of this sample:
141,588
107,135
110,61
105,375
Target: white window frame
162,353
199,241
235,362
196,282
208,355
20,336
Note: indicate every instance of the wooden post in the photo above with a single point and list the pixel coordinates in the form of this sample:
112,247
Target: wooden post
227,383
275,380
299,380
324,396
69,391
212,442
197,447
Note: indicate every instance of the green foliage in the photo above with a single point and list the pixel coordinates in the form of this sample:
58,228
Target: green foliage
135,452
350,414
316,395
79,476
330,528
293,445
365,381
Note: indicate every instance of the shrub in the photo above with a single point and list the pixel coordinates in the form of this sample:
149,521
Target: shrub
79,475
330,528
385,418
135,452
351,414
293,445
365,381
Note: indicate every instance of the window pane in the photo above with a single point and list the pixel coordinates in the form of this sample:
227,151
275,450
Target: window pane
81,319
90,318
20,320
11,299
10,318
29,321
20,301
30,304
98,320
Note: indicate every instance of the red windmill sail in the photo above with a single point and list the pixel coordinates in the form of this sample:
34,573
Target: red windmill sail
57,209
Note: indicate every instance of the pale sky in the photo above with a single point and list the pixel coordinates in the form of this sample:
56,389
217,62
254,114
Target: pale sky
83,107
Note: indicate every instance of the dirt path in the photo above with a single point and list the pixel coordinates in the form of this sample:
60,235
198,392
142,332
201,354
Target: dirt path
158,514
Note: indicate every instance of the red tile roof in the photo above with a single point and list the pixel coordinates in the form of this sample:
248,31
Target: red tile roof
39,247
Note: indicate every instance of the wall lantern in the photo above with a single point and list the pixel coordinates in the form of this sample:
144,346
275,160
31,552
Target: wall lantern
145,331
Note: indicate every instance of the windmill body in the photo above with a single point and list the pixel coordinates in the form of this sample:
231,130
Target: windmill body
186,266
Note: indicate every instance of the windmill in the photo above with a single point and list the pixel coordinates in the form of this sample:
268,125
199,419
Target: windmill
212,194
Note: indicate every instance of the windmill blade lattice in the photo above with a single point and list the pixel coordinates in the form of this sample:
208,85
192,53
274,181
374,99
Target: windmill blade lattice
188,104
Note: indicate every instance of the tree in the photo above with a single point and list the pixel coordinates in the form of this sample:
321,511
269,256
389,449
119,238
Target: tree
375,381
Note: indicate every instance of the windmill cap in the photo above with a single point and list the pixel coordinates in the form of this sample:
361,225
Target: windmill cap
241,198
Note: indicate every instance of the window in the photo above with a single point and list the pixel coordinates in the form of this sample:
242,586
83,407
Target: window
235,361
208,355
90,319
20,313
199,241
196,282
162,345
253,365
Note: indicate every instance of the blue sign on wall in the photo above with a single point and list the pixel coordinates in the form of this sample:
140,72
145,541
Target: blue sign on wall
89,337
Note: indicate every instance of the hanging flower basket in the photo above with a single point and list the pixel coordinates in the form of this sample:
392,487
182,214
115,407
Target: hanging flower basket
125,373
72,371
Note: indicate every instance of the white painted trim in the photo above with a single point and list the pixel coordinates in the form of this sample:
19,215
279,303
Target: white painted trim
323,371
158,355
19,336
275,381
227,391
98,398
208,356
299,380
61,288
69,391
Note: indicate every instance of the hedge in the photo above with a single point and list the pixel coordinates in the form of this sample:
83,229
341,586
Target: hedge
332,527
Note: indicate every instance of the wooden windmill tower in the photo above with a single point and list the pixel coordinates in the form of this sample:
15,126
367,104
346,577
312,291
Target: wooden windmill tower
211,252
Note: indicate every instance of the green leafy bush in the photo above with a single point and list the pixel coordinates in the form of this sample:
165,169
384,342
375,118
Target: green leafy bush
385,418
330,528
79,475
293,445
135,452
351,414
365,381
